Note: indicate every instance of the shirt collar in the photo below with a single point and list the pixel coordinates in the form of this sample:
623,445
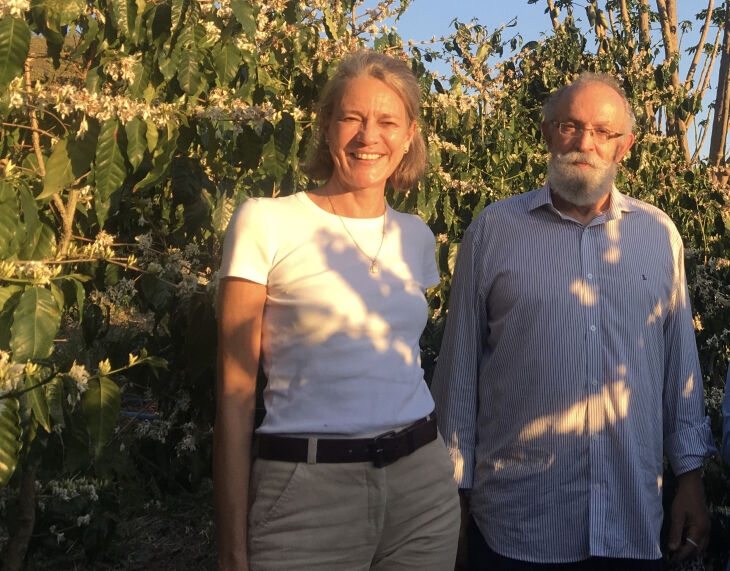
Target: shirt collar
617,206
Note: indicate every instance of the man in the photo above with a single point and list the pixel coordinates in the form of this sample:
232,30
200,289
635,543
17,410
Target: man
569,361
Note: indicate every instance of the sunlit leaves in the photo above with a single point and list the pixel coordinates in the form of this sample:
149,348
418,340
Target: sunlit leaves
121,19
59,173
36,320
34,398
161,157
227,61
136,142
276,151
110,169
14,45
188,71
244,12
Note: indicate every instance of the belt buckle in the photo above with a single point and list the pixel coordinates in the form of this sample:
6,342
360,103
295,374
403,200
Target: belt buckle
378,452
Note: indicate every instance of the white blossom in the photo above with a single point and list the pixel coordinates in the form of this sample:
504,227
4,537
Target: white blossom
80,376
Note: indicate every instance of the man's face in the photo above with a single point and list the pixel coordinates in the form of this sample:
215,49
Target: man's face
587,140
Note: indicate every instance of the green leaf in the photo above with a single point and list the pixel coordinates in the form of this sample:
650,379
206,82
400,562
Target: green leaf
9,228
167,62
35,399
59,173
452,118
284,134
110,169
453,253
227,62
14,46
121,19
35,323
136,141
177,14
221,214
82,150
30,211
188,71
54,398
330,27
100,405
9,298
41,245
243,10
10,433
151,135
161,160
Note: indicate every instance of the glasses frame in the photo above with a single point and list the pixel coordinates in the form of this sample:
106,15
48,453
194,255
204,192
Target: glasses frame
599,134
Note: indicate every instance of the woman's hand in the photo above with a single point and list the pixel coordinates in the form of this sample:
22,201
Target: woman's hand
240,311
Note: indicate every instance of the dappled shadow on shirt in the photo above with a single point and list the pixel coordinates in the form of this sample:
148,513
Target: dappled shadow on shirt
585,367
336,327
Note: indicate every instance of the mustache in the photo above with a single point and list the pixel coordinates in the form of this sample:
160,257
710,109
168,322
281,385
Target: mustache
572,157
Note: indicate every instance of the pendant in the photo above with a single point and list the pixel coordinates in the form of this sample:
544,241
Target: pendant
374,268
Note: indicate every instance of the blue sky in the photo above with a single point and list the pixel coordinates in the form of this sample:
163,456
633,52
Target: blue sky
425,18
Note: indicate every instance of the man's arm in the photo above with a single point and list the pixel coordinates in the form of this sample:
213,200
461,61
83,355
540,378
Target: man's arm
241,305
687,436
455,381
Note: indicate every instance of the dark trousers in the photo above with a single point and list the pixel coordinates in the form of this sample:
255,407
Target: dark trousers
483,558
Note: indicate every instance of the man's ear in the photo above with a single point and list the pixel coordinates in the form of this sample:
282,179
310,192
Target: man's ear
546,132
624,147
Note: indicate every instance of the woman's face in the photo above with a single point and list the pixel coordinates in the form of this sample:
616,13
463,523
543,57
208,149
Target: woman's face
368,134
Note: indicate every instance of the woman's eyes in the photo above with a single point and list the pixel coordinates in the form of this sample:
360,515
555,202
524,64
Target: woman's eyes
356,119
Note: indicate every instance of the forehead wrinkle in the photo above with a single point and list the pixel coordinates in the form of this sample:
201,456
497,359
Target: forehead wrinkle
592,104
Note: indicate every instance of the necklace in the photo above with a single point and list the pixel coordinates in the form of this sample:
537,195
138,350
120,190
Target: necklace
374,267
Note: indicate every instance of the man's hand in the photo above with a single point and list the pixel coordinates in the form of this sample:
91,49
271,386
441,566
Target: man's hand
690,528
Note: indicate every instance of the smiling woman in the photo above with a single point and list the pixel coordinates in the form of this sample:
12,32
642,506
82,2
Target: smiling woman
328,285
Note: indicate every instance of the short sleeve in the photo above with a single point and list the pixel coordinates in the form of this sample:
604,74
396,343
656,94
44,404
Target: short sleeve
246,248
431,273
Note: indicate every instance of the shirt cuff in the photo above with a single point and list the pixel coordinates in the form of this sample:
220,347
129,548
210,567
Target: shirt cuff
688,448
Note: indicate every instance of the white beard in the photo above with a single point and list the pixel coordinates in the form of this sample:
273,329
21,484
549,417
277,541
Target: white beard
581,186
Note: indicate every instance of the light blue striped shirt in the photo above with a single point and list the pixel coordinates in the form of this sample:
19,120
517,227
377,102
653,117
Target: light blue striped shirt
568,362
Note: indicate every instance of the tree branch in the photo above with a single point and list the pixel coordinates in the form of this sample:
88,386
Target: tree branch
700,45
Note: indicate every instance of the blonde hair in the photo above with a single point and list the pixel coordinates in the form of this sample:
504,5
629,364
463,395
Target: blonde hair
398,76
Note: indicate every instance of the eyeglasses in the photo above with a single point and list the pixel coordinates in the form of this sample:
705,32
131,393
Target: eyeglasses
574,131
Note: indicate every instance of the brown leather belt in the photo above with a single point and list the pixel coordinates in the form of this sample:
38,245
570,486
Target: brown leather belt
381,450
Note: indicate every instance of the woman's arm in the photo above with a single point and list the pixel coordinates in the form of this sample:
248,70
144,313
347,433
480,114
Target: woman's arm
240,311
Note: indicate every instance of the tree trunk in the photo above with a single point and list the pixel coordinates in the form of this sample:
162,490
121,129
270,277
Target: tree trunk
676,127
722,101
626,23
700,46
553,14
644,36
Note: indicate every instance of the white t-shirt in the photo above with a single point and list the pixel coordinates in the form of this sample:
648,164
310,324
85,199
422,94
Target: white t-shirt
340,344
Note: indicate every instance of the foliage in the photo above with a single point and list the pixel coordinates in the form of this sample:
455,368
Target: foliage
124,162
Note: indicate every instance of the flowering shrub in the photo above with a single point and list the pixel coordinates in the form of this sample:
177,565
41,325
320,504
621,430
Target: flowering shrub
123,165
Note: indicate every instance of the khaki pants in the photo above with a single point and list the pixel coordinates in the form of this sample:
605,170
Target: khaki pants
349,517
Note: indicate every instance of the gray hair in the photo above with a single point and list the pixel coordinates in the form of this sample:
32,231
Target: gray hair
585,78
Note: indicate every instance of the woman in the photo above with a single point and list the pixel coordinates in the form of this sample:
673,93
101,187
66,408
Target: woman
329,285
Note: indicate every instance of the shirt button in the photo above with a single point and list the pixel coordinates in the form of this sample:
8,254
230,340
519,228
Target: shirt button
594,382
596,486
592,328
589,276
